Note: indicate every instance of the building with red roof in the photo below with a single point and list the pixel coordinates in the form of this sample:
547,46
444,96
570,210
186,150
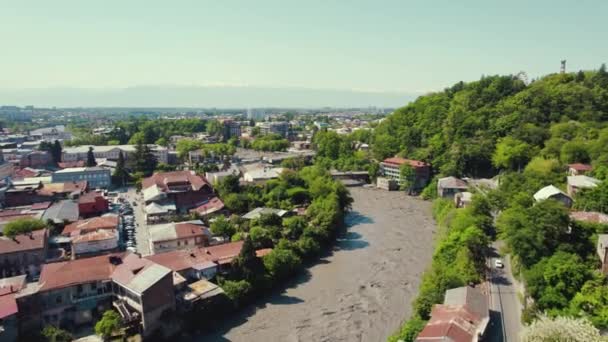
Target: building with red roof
577,169
212,206
93,236
177,235
23,254
199,262
391,169
92,204
463,317
9,287
185,189
74,292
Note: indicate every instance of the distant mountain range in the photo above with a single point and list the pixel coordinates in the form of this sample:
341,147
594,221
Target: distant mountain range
202,96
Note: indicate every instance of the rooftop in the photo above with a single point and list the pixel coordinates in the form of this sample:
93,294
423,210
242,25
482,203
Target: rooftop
62,211
583,181
548,192
209,207
452,183
108,148
164,180
81,169
108,221
174,231
400,161
580,167
23,242
589,217
181,260
257,212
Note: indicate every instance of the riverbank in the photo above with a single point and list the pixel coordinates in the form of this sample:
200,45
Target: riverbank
361,291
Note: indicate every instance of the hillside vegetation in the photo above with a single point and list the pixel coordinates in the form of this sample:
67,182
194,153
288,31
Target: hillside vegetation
525,134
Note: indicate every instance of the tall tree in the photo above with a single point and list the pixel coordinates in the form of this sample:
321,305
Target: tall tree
120,173
91,158
56,152
144,160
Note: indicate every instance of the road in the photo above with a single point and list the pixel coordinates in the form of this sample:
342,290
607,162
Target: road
362,291
141,228
505,307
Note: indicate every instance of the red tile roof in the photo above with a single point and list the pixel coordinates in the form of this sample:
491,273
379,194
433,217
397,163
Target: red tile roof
187,230
211,206
163,179
23,242
26,172
262,252
41,205
65,165
90,197
181,260
97,235
580,167
589,216
8,305
109,221
401,161
81,271
453,323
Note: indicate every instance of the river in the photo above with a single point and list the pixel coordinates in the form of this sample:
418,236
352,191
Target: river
361,291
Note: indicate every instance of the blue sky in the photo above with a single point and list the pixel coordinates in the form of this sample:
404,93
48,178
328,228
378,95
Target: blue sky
396,46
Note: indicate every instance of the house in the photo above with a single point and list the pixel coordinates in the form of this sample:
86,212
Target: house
199,262
9,311
257,212
602,251
577,183
34,211
74,292
79,153
214,205
93,236
185,189
96,177
174,236
61,212
262,174
92,204
463,316
552,192
579,169
447,187
391,168
156,213
23,254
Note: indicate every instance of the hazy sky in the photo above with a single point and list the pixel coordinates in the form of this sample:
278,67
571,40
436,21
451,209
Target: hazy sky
404,46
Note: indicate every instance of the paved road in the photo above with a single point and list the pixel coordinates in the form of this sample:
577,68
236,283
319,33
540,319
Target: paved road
504,304
141,229
360,292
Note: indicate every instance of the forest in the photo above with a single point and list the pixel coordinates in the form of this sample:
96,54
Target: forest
525,135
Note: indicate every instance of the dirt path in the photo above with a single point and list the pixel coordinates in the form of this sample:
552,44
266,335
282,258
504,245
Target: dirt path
362,291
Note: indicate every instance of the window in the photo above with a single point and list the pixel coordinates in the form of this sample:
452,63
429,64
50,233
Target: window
186,242
58,300
79,288
93,286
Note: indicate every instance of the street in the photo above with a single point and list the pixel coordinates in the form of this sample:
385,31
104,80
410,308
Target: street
141,228
505,308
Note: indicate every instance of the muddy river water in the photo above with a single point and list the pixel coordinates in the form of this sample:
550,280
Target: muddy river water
361,291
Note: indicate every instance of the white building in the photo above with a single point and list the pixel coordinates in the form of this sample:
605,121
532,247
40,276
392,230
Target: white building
262,173
111,152
96,177
51,133
175,236
95,242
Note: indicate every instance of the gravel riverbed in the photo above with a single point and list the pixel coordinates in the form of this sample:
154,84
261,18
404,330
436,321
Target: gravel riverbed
361,291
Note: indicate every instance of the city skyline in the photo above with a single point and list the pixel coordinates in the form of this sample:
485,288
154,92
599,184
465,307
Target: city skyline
388,49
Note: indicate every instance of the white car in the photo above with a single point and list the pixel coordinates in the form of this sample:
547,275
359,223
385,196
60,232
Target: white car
498,263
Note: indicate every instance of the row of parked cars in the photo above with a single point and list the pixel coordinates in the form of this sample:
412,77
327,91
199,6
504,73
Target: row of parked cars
128,225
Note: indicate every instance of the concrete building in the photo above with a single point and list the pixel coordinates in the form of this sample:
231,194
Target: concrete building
175,236
262,173
111,152
388,184
277,127
93,236
96,177
74,292
391,168
51,134
14,113
23,254
231,129
579,169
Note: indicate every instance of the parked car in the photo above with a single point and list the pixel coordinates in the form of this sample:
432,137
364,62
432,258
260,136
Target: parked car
131,249
498,263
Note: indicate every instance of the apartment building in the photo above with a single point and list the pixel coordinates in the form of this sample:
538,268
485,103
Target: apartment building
176,236
391,168
23,254
278,127
96,177
111,152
